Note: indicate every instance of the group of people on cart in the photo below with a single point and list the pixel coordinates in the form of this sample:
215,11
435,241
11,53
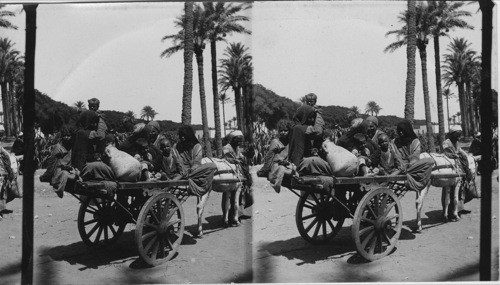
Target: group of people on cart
83,154
299,148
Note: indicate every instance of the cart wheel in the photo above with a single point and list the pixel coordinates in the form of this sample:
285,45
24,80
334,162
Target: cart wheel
317,211
160,227
97,222
377,224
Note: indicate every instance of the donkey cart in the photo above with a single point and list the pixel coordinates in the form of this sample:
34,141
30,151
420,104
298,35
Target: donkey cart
155,207
325,202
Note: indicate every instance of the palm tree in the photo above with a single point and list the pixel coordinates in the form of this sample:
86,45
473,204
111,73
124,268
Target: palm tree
223,20
423,31
80,105
224,99
410,61
187,88
355,110
8,58
200,33
4,23
373,108
456,67
148,113
447,94
446,16
235,71
14,78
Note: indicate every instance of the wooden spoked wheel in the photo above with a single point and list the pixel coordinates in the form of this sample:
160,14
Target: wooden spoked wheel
160,227
317,219
98,222
377,224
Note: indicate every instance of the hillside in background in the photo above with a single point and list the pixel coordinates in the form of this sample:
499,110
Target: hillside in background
51,115
270,108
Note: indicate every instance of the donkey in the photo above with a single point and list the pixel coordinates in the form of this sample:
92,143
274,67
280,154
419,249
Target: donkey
225,170
443,164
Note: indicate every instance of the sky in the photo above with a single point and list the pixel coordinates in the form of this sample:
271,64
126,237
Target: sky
334,49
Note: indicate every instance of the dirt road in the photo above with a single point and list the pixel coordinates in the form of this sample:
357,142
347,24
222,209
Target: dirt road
275,252
442,252
223,255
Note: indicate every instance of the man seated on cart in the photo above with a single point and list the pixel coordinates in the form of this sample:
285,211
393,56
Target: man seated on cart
188,154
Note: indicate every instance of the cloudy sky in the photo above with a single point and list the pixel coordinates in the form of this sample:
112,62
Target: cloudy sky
334,49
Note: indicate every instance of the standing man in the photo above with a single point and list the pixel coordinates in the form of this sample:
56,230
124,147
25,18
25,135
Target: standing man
100,133
319,123
102,129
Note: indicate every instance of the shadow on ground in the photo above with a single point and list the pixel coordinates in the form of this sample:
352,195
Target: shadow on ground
306,253
430,219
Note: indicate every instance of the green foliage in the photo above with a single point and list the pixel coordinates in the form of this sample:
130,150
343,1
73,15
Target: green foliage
51,115
269,107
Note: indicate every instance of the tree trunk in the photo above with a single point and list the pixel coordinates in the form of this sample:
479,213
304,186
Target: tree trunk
427,103
206,133
218,137
409,111
461,98
439,92
187,89
470,106
247,92
224,118
448,113
5,108
13,108
239,107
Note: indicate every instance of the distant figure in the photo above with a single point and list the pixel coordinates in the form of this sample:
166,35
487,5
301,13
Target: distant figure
18,150
475,146
59,170
319,123
8,190
101,128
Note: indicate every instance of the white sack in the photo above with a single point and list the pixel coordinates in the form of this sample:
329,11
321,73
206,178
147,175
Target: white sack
343,162
125,166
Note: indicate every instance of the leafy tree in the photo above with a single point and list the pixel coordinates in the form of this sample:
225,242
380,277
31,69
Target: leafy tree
80,105
446,16
148,113
223,19
373,108
8,58
236,69
424,21
457,65
4,23
200,36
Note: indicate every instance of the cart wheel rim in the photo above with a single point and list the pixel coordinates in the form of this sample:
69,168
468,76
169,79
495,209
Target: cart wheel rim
160,228
96,222
315,218
377,224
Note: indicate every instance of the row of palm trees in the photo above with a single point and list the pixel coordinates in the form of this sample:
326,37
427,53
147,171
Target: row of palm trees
11,77
211,22
432,20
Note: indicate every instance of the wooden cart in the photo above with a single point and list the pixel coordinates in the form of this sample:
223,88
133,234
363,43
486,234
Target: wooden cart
155,207
376,213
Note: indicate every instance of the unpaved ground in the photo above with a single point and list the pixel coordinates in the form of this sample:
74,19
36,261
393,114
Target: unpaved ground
442,252
221,256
